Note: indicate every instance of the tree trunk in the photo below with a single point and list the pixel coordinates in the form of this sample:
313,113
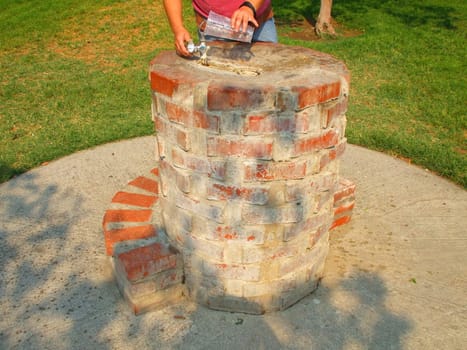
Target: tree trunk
323,23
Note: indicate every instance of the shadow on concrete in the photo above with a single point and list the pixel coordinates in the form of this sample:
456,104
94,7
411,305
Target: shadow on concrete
351,314
55,293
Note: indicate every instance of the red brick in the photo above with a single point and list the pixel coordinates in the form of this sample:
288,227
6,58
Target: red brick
172,133
145,261
310,144
146,184
222,192
311,95
220,147
340,221
139,200
155,171
212,168
191,118
332,154
163,84
346,189
127,215
269,171
126,234
343,208
268,124
228,97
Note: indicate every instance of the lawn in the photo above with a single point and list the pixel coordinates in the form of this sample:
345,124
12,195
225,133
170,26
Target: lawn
74,75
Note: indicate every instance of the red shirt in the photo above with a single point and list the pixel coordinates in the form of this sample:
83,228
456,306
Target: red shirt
223,7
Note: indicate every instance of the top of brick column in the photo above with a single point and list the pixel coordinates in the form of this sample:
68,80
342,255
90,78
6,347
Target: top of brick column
296,77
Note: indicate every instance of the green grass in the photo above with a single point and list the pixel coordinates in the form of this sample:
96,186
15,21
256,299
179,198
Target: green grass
408,65
74,75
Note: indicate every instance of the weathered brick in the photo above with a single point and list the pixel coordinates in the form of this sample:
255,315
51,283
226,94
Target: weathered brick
201,207
172,133
259,254
290,297
191,118
211,167
275,287
317,93
145,261
311,257
249,148
214,251
287,213
254,195
163,84
340,221
344,208
268,124
253,234
286,100
175,177
314,143
127,215
272,171
158,300
135,199
126,234
221,96
241,272
150,284
331,154
296,191
346,188
145,184
306,226
335,111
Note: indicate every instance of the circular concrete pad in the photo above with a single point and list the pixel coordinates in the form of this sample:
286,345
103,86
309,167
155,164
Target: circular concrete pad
395,277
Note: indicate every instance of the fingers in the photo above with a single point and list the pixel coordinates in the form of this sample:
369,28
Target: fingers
241,18
181,38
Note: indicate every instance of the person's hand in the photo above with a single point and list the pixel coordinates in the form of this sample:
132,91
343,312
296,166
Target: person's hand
181,38
241,18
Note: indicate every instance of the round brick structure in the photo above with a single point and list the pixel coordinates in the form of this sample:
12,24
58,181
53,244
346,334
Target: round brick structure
249,148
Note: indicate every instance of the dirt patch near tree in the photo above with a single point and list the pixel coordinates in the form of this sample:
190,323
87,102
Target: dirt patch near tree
304,30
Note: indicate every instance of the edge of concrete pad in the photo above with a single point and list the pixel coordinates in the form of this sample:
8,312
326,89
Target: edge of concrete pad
395,276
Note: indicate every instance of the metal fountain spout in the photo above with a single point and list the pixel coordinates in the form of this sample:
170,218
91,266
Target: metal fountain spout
202,49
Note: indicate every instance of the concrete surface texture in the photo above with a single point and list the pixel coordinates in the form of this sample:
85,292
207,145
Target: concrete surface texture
395,278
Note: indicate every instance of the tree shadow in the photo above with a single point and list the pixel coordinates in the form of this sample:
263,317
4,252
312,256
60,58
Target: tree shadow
351,314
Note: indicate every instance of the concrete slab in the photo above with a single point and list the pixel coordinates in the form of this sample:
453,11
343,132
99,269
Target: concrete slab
396,276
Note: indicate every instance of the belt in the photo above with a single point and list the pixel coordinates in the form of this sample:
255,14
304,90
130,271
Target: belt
267,14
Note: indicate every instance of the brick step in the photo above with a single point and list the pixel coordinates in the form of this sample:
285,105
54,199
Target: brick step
131,212
344,202
150,276
148,270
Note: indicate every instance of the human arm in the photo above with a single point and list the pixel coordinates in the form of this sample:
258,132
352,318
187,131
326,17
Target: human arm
244,15
173,9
